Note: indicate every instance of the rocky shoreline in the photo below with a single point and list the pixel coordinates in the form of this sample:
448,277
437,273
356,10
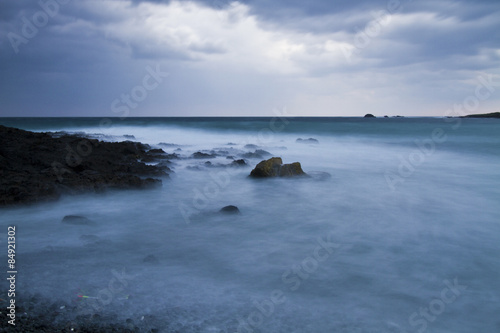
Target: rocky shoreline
40,167
48,318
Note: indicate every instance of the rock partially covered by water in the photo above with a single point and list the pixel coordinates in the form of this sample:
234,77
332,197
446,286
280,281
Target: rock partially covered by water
76,220
238,163
200,155
369,115
151,259
307,141
259,153
274,167
36,167
230,210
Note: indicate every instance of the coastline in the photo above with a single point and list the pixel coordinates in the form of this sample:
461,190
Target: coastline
40,167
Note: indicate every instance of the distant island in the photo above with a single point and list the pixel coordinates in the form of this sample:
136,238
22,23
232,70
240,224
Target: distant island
484,115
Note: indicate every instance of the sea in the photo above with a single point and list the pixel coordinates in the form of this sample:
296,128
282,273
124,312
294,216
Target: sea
397,229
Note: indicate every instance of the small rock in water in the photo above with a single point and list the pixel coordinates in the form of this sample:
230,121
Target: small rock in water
274,167
307,141
167,144
151,259
369,115
230,210
201,155
239,163
76,220
259,153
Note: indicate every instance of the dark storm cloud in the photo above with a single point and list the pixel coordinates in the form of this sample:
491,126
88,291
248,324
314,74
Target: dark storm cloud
87,53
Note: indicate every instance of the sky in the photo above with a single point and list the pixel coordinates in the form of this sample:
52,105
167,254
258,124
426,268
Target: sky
131,58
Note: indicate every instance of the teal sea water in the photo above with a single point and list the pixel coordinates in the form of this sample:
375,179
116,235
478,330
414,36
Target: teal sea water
403,236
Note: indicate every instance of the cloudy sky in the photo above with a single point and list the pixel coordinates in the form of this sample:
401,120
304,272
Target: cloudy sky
248,58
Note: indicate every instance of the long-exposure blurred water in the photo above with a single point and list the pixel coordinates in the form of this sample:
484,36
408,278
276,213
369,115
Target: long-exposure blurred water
403,237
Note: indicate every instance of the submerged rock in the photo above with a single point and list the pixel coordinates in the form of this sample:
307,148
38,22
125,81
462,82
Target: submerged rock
76,220
200,155
230,210
238,163
319,175
274,167
308,141
259,153
165,144
89,238
151,259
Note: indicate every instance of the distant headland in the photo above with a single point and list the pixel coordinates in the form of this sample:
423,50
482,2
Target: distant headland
484,115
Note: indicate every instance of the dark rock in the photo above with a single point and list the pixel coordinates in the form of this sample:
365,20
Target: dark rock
386,116
151,259
172,145
369,115
173,156
37,167
259,153
251,146
484,115
239,163
230,210
290,170
156,151
76,220
274,167
268,168
308,141
200,155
